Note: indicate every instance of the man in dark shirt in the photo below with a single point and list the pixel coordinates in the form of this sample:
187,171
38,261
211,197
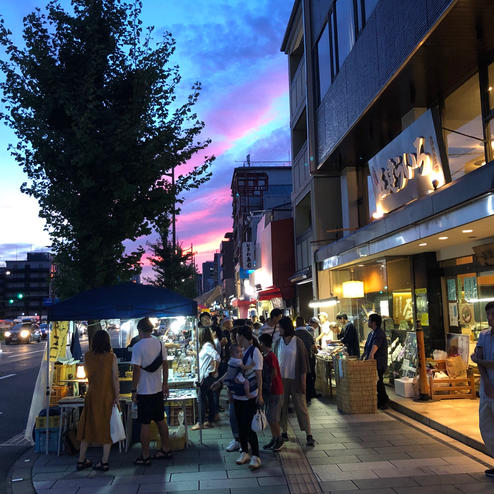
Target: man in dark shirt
376,347
302,333
349,336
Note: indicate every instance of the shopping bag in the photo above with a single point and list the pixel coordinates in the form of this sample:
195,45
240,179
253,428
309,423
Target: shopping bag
259,421
117,431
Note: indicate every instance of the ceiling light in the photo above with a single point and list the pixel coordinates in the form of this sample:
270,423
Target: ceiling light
423,244
466,231
443,238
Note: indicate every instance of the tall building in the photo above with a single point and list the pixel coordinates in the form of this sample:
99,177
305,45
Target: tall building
392,130
209,280
255,190
26,285
227,276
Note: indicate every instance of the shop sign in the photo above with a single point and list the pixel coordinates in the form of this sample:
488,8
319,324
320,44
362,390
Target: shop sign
248,258
409,167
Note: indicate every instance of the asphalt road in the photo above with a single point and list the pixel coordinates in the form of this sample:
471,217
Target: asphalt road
19,366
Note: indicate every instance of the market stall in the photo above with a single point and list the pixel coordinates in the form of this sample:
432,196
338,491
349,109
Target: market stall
175,323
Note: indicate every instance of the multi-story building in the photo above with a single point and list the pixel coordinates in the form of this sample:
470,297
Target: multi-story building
26,285
209,279
392,127
255,189
227,269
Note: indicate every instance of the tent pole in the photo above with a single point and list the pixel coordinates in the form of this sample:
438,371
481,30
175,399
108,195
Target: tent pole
47,394
198,388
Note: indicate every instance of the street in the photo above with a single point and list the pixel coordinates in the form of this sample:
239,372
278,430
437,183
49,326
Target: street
19,366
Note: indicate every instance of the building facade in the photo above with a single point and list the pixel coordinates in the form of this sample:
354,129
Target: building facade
227,269
255,190
392,126
25,285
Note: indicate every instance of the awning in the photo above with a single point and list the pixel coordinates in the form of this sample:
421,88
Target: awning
269,293
242,303
213,295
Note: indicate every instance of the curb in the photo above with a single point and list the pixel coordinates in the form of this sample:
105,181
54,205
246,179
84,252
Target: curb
457,436
19,479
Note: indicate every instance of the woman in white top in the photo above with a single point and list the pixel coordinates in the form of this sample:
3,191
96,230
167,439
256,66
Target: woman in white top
294,365
209,360
245,407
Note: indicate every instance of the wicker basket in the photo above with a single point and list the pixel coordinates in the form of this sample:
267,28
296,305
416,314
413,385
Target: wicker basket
356,386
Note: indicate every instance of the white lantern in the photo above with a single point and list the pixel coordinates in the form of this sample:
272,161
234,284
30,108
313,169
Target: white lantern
353,289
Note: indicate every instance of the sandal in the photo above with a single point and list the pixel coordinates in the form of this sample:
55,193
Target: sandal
162,455
104,467
142,461
81,465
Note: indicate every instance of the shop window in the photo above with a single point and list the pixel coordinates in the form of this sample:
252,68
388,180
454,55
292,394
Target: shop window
467,296
462,125
345,28
323,63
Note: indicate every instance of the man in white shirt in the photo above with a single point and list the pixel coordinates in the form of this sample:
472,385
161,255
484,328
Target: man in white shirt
326,335
271,324
149,389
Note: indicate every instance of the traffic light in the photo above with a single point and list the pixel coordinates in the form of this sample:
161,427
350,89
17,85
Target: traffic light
11,301
20,296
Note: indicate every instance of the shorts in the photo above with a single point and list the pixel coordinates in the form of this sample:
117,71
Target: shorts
273,404
150,407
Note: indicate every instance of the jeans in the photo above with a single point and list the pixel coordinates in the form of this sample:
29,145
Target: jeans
207,399
233,420
245,411
382,396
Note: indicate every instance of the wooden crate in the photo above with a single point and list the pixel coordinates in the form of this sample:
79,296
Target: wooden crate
356,386
460,387
57,393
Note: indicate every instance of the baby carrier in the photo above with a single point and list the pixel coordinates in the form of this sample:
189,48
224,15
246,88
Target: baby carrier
238,388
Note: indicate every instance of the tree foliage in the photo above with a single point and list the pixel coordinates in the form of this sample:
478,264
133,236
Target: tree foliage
91,99
174,268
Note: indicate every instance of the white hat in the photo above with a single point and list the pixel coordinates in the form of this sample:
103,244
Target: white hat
316,320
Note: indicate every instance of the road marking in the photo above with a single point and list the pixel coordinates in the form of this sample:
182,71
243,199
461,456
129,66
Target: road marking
24,353
8,375
17,440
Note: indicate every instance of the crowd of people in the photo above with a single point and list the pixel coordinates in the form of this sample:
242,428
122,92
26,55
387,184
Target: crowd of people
267,364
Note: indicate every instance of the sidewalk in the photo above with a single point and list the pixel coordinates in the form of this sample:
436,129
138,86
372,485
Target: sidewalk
385,453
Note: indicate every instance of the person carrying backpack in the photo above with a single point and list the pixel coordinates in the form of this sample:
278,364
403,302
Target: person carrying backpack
272,391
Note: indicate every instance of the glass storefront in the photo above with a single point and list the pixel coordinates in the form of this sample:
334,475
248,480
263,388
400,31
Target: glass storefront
462,126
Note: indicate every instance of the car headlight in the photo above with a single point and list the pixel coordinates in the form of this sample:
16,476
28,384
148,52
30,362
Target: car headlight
7,334
24,333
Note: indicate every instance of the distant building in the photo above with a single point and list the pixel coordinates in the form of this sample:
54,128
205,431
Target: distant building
209,280
255,190
25,285
227,274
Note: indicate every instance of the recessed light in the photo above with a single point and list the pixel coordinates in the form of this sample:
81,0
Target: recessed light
360,265
423,244
443,238
466,231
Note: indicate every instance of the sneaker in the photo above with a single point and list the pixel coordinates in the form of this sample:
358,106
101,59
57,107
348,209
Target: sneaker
196,427
284,436
233,446
490,473
278,445
242,459
255,463
310,441
270,444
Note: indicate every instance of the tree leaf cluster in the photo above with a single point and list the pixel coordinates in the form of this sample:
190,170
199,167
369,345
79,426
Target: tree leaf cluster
91,98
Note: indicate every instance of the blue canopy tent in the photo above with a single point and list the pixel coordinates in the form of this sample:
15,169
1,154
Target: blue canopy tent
123,301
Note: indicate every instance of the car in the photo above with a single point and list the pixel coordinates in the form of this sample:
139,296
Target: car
22,333
43,330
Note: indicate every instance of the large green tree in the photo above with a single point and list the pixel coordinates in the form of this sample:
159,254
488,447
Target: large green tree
91,98
174,268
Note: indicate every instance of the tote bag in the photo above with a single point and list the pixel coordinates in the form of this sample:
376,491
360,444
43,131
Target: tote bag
259,421
117,431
